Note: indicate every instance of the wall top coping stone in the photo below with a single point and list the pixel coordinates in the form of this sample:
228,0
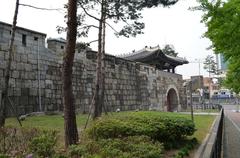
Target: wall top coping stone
24,29
61,40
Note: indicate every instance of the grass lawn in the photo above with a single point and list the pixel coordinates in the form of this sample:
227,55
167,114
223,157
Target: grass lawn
55,122
203,124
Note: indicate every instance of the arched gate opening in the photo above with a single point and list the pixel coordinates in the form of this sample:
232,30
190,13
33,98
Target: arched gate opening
172,100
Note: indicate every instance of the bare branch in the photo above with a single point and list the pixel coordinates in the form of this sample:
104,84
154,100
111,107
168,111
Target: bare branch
85,11
112,27
92,42
85,26
27,5
125,21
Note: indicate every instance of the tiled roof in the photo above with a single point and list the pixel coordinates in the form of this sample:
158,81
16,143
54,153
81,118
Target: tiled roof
147,52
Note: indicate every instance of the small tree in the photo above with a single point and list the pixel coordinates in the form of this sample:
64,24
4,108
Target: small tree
128,12
169,50
211,67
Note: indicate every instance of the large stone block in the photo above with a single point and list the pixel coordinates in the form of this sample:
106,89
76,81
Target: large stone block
25,91
27,67
33,100
33,91
23,100
16,58
17,92
15,74
1,73
12,82
20,66
3,64
24,58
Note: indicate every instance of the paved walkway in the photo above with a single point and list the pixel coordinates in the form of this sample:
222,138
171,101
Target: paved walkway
231,137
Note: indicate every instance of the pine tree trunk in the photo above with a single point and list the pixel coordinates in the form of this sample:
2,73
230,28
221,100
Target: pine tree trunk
3,107
103,58
97,109
70,126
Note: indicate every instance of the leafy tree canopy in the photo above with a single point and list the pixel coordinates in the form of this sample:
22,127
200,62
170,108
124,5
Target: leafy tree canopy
222,19
232,80
169,50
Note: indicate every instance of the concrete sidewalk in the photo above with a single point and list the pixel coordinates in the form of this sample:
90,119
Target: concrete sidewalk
231,136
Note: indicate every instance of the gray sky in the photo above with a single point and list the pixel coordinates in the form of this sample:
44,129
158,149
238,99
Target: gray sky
175,25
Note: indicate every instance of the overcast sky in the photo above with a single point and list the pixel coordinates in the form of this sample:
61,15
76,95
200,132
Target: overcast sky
175,25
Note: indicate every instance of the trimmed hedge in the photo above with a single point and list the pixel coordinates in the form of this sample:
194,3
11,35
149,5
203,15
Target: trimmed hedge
163,129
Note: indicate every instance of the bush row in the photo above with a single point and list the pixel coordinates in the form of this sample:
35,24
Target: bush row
163,129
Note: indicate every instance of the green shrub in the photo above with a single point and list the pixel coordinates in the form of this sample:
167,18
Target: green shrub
184,151
88,149
128,147
131,147
76,150
164,129
43,145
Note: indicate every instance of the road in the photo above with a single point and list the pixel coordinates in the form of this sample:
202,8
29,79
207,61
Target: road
231,136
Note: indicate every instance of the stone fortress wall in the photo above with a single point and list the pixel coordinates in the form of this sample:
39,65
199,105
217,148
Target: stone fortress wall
129,85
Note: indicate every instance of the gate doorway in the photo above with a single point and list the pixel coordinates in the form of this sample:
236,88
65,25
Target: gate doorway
172,100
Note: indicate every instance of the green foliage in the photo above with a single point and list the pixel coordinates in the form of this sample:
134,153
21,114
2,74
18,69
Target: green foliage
168,130
75,150
128,147
126,11
155,3
43,145
186,149
210,65
169,50
233,75
222,19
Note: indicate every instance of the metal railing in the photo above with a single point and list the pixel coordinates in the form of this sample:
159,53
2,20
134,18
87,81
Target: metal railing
207,106
212,145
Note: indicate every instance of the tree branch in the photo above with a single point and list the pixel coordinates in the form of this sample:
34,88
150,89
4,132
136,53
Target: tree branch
112,27
125,21
92,42
27,5
85,11
88,26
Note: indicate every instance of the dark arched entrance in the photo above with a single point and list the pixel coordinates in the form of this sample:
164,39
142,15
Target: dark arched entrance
172,100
